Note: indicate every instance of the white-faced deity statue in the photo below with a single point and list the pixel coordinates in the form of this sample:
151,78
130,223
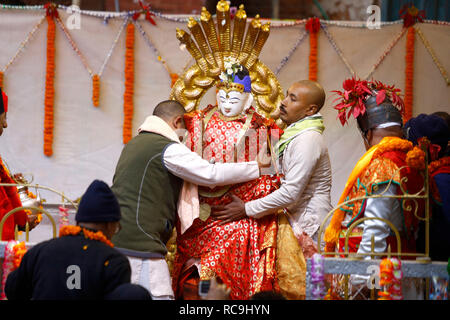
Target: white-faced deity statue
234,96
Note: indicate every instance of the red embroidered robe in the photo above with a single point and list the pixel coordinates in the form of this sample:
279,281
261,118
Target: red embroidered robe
381,170
9,200
240,253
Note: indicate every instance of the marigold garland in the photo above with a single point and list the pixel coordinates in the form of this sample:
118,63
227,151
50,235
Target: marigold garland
129,84
415,158
313,26
95,89
391,145
434,165
19,251
49,87
75,230
173,77
409,73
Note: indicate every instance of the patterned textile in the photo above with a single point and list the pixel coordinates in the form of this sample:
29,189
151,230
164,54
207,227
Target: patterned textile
380,171
379,164
314,122
240,253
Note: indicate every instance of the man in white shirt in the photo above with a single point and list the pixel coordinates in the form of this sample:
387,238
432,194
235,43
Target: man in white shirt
305,164
148,183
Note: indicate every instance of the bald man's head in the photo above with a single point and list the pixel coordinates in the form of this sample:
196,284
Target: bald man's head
304,98
314,93
172,112
169,109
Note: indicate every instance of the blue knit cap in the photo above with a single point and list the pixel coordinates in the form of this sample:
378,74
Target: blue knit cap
98,204
431,126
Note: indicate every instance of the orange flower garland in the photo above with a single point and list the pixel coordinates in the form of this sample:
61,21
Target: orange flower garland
313,57
75,230
409,73
416,158
19,251
443,162
391,145
173,77
49,87
95,89
129,84
313,26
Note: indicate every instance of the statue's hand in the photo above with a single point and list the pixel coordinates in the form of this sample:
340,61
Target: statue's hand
235,210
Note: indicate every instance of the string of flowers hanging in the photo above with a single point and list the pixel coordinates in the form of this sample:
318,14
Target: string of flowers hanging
338,50
313,27
129,83
275,23
350,69
96,77
173,75
51,14
128,104
83,59
410,16
21,48
291,52
385,53
433,55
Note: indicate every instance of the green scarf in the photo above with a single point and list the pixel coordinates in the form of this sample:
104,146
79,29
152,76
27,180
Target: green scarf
314,122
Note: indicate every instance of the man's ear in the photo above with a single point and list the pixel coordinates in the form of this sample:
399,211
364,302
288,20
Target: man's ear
178,122
369,138
313,109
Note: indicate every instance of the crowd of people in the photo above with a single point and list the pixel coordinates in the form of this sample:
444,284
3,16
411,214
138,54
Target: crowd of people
227,207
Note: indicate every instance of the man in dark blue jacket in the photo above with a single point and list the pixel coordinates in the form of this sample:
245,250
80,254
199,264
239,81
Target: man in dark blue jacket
81,263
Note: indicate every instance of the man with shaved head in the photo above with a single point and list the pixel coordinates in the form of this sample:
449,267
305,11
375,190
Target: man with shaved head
305,190
148,181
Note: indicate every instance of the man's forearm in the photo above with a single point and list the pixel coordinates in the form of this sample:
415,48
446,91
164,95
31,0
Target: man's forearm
191,167
278,199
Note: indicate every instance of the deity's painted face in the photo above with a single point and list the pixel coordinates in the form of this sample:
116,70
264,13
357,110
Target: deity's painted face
233,103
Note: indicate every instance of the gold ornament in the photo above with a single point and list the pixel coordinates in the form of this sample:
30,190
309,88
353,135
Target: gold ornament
211,42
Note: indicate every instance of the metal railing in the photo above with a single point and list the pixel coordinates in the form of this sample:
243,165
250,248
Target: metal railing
46,213
343,262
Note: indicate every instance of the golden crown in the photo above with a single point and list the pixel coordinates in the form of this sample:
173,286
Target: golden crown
213,42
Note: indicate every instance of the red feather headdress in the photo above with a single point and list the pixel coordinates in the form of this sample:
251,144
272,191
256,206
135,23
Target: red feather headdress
355,93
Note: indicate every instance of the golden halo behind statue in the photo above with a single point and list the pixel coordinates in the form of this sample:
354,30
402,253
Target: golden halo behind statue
216,41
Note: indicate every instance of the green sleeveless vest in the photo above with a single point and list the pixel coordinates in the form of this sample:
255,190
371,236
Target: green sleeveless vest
148,195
